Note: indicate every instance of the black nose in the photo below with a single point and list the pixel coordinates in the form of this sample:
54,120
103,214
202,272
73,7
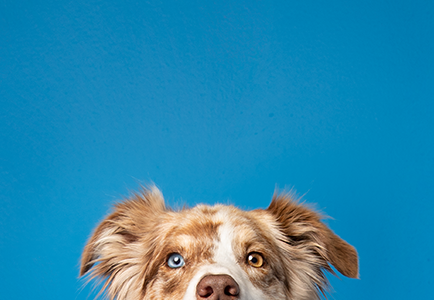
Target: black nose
217,287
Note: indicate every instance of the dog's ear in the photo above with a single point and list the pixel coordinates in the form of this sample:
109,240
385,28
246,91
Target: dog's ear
302,227
113,246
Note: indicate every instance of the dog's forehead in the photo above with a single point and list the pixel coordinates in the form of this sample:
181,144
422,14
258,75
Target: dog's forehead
210,222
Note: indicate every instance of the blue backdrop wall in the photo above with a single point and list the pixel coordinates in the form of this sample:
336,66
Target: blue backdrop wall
217,101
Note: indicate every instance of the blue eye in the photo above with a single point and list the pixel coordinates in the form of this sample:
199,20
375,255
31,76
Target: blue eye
175,261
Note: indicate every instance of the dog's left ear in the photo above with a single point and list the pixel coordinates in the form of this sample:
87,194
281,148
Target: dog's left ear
112,247
302,226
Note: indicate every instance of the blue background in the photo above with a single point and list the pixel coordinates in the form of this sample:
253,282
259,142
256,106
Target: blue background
217,102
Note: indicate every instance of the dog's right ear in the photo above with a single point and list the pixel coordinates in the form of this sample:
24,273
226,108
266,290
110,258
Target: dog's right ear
303,227
113,245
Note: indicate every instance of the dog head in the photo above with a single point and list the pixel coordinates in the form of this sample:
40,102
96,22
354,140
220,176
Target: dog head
147,251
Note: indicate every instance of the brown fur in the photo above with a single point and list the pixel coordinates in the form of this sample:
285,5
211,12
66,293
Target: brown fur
131,246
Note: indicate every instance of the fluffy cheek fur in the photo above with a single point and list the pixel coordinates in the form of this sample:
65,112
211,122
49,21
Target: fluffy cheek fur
169,284
130,249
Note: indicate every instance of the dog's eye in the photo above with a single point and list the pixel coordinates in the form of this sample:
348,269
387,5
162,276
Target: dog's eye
175,261
255,260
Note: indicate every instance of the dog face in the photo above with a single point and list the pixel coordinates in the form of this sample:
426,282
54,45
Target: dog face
147,251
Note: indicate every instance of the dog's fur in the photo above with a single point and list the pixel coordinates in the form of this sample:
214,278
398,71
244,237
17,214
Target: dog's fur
131,247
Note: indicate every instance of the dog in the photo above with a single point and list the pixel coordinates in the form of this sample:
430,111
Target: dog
146,251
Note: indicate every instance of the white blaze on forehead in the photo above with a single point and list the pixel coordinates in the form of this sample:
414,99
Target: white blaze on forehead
226,263
224,253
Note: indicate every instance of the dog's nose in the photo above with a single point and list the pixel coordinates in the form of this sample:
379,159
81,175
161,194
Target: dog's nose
217,287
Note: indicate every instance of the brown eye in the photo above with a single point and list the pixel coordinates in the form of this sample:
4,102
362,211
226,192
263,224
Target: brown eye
255,260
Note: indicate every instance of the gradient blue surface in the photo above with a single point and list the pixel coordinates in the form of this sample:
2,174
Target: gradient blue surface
217,102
